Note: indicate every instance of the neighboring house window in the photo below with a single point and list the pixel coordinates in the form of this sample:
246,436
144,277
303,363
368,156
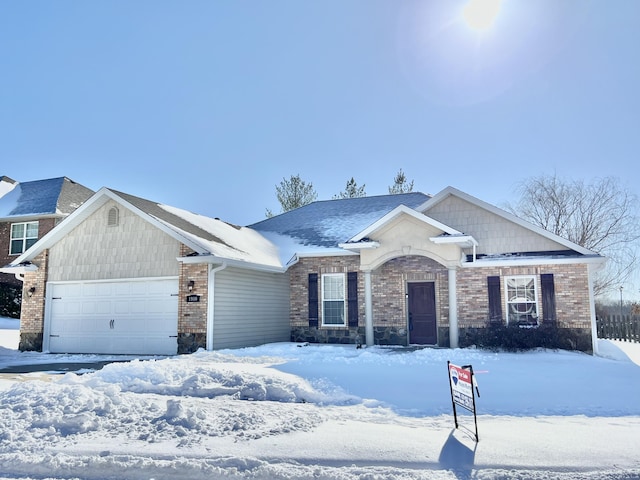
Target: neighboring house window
113,217
333,299
23,235
522,304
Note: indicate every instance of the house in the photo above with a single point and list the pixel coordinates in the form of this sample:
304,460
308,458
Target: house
126,275
28,210
414,269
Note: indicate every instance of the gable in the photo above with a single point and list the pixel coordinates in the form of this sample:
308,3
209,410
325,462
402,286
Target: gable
408,234
495,234
133,248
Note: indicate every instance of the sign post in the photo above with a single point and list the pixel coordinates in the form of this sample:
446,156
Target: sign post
463,389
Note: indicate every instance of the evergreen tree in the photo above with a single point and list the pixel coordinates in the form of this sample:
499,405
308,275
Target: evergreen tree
293,193
400,184
352,190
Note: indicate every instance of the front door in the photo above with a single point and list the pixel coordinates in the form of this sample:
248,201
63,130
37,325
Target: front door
422,313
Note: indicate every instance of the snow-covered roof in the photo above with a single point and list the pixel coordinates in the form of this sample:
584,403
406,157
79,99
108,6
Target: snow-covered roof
54,196
212,239
320,227
211,236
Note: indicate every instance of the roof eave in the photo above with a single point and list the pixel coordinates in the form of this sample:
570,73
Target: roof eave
516,262
215,260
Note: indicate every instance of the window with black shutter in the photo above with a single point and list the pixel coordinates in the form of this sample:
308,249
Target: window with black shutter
495,303
548,297
352,298
313,299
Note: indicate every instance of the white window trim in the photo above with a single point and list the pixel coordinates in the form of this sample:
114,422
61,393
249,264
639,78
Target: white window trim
344,299
24,238
536,291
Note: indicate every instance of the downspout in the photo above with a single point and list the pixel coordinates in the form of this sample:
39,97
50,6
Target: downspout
211,287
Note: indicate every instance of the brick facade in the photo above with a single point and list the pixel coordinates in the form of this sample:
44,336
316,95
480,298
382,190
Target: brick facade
192,316
32,312
389,289
44,226
571,293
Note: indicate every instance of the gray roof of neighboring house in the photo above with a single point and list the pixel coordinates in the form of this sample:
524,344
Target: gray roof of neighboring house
330,222
53,196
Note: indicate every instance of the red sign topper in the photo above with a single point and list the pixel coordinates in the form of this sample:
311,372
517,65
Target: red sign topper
462,383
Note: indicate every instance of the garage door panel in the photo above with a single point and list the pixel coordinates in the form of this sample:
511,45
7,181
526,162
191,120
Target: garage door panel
115,317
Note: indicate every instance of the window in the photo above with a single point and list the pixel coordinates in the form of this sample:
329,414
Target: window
23,235
522,303
113,217
333,296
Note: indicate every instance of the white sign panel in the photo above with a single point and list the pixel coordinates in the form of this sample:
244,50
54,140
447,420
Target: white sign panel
461,386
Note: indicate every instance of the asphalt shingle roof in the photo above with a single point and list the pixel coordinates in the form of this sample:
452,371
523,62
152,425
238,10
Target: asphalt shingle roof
53,196
330,222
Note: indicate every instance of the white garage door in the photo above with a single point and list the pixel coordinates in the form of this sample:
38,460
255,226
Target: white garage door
121,317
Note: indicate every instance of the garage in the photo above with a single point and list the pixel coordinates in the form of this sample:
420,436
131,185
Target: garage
113,317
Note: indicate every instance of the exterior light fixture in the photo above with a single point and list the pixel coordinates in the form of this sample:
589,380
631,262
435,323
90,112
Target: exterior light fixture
31,291
190,285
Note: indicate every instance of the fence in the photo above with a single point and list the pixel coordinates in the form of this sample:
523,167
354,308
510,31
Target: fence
619,327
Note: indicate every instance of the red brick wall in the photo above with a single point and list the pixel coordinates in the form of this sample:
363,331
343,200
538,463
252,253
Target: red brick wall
192,316
388,287
32,313
44,226
571,290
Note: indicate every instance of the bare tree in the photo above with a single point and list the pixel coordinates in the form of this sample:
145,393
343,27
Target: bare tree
400,184
294,193
352,190
600,216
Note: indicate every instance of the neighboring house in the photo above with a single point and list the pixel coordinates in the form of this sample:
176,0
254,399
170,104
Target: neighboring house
28,210
126,275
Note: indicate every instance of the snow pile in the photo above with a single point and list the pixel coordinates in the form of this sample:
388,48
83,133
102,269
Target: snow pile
287,411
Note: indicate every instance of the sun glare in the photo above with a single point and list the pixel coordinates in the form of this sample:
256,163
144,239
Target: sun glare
480,15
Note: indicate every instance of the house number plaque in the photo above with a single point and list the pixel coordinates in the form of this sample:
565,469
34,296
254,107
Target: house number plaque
193,298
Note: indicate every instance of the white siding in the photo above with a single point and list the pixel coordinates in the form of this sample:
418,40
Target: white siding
132,249
494,234
250,308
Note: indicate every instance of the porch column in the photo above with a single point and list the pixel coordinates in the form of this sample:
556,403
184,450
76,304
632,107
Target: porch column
453,310
368,309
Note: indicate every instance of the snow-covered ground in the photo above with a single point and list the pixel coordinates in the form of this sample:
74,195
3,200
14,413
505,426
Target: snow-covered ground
287,411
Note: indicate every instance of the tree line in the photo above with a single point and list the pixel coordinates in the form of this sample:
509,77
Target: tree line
294,192
601,216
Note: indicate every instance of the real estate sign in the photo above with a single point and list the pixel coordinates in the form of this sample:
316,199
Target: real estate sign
462,383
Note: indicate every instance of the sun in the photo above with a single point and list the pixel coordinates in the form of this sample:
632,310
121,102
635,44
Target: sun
480,15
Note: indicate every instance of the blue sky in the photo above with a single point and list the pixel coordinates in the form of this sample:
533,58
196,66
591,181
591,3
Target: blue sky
207,105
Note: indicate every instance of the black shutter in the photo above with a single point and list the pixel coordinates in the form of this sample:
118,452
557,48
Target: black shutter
313,299
352,298
495,304
548,297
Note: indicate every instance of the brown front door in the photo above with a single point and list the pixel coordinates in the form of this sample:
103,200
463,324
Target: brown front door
422,313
